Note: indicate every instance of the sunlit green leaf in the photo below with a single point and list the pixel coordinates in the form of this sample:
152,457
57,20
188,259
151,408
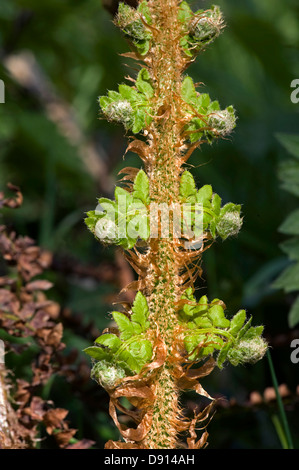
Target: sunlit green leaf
143,83
187,187
140,311
141,187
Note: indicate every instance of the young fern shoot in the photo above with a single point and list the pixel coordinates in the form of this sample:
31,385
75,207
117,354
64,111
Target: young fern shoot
167,339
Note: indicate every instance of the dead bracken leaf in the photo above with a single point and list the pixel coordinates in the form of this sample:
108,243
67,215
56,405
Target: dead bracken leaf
38,285
63,437
26,312
53,419
12,202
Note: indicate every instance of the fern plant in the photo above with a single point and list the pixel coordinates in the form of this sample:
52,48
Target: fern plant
167,339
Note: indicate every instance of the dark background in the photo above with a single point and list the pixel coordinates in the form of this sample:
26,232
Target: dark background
57,57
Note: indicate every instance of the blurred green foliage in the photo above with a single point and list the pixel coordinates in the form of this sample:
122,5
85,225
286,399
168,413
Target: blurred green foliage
288,175
250,66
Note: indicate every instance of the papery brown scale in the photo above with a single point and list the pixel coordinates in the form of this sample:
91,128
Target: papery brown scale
129,178
192,441
139,147
145,393
198,444
132,55
134,285
125,305
138,267
123,445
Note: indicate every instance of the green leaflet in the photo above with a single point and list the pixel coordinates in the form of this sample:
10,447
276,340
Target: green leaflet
188,91
126,327
201,101
122,198
188,308
141,351
185,12
137,323
141,187
140,311
199,345
237,322
187,187
130,106
216,204
204,195
216,315
202,313
220,221
126,354
208,331
98,353
201,27
143,83
246,343
127,92
223,354
111,341
129,21
123,221
208,119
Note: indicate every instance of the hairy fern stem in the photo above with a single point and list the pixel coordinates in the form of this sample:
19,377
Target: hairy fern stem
151,357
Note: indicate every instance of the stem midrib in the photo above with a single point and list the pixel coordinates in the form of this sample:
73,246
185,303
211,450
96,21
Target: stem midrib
164,188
